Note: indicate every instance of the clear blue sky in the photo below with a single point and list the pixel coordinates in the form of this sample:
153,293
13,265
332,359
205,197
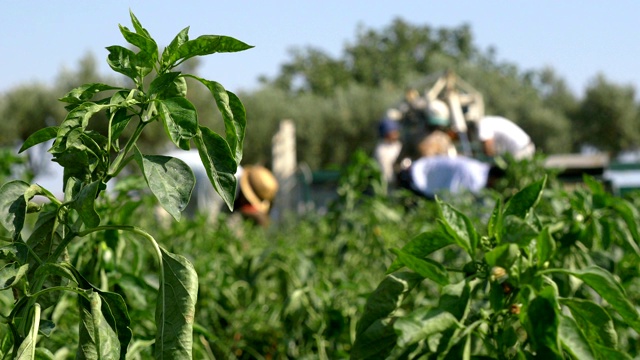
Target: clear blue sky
578,38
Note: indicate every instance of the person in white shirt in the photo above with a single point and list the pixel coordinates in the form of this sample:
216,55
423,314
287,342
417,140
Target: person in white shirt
500,136
437,175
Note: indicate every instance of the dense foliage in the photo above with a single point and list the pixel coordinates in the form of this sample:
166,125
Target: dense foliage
305,287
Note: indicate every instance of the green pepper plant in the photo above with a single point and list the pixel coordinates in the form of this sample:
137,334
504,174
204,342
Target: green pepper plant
38,265
547,278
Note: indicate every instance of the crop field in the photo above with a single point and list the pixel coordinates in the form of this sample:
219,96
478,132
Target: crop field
302,288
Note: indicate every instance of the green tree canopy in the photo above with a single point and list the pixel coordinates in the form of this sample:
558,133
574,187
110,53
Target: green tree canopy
608,117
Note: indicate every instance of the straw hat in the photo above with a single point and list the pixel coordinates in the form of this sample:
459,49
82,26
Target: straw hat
259,187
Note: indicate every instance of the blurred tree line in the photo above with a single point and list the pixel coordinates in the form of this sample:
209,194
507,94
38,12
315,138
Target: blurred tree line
337,102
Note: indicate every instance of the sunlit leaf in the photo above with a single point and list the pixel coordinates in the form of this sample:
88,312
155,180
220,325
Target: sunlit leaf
630,216
428,269
204,45
574,340
40,136
170,180
122,60
84,204
27,349
180,120
545,320
97,339
171,50
85,92
605,284
459,226
175,309
233,115
13,205
503,255
219,164
593,320
168,85
523,201
375,336
423,323
422,245
10,274
545,246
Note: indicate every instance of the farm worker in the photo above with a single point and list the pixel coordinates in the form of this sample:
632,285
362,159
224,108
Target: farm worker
257,191
438,175
388,147
436,143
500,136
439,140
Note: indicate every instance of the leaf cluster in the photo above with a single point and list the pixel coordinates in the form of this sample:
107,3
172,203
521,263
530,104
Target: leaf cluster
540,280
43,230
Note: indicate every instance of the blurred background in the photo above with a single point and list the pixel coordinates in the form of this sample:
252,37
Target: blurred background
564,71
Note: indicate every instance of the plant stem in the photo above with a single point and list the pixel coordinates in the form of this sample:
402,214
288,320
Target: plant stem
118,163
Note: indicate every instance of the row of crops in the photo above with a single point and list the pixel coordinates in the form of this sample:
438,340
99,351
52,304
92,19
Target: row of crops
299,289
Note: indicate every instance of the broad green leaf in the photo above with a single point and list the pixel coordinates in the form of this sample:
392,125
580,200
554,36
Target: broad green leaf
44,239
454,299
15,251
387,298
574,340
427,269
171,50
175,308
143,42
523,201
171,181
233,115
609,353
205,45
84,204
218,162
168,85
545,246
423,323
605,284
85,92
375,336
544,322
77,119
138,26
42,353
376,342
517,230
180,120
40,136
593,320
502,255
119,122
421,246
594,185
495,221
113,307
630,216
13,206
27,349
10,274
122,60
97,340
459,226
